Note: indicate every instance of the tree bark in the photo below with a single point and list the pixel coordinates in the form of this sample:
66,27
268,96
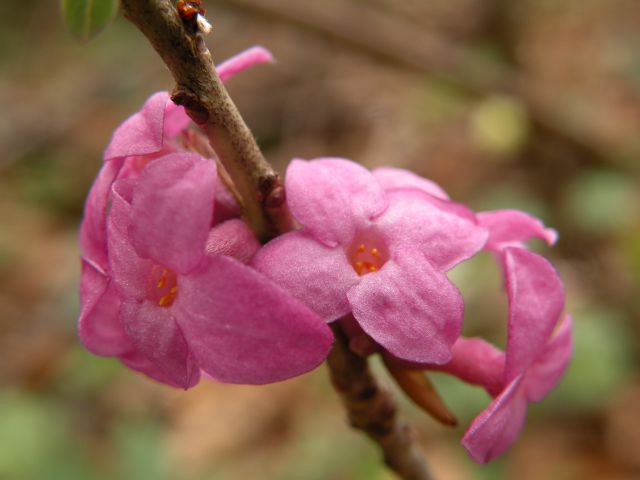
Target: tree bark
373,410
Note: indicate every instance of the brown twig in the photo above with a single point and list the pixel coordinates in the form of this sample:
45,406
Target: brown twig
207,102
373,410
200,90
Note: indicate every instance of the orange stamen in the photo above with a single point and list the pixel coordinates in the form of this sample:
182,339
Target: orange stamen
166,300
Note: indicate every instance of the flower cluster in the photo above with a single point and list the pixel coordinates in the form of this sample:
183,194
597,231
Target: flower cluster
175,285
375,247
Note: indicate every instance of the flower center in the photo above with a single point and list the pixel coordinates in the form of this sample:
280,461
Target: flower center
368,253
163,286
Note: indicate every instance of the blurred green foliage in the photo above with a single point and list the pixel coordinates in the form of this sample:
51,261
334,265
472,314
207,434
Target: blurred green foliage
36,442
602,362
603,201
138,448
86,18
500,125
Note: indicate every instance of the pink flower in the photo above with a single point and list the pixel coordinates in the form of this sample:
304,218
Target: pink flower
164,286
498,426
538,349
148,134
172,305
381,256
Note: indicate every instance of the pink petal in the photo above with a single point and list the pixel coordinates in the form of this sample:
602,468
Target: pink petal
317,275
446,232
141,133
330,195
233,238
392,178
175,120
497,427
93,283
477,362
409,308
242,328
536,299
545,373
155,334
512,228
137,361
93,234
99,326
226,206
243,60
172,210
130,273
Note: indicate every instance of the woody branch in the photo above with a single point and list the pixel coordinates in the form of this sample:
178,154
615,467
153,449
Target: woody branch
200,90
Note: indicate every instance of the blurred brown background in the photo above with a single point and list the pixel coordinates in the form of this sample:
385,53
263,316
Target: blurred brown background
533,104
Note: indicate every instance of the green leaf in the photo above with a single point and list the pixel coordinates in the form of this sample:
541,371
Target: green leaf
87,18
